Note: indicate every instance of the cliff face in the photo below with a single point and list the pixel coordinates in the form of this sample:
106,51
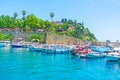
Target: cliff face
60,39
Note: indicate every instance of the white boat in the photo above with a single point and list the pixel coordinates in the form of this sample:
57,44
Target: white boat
93,55
16,45
4,43
61,50
49,49
36,47
94,52
56,49
114,55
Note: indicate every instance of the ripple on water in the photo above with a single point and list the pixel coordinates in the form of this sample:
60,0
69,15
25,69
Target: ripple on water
26,65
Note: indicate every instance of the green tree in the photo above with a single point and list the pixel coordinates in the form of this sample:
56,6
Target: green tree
37,37
15,15
14,20
32,21
65,26
1,36
7,37
52,15
23,13
19,23
23,18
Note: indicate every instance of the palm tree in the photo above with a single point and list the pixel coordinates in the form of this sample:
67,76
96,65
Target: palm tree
23,13
51,15
15,15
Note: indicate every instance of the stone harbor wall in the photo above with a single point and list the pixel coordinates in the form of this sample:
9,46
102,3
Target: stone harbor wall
60,39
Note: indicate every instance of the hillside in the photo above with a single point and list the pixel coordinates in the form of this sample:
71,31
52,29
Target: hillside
32,23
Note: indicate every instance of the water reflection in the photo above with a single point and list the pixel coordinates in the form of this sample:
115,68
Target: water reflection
113,65
4,49
20,49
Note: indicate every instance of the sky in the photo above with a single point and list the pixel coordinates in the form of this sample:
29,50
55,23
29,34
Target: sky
102,17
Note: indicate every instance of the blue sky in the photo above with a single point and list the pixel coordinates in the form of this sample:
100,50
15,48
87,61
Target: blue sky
102,17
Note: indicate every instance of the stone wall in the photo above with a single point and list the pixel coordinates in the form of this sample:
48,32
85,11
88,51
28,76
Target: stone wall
60,39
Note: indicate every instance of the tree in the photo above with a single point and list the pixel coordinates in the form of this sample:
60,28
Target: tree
19,23
6,36
70,22
23,18
36,37
51,15
65,26
70,27
5,21
64,20
1,36
23,13
15,15
32,21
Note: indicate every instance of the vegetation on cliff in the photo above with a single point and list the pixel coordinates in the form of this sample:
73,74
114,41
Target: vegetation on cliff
32,23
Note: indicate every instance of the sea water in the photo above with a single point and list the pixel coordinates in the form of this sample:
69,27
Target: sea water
22,64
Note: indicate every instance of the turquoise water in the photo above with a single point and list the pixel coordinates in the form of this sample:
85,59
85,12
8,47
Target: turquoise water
20,64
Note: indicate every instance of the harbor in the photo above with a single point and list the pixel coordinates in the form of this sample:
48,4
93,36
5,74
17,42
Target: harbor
60,40
81,51
20,63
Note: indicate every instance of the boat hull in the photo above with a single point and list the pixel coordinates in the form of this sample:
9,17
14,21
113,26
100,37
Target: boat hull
92,55
36,49
16,46
113,57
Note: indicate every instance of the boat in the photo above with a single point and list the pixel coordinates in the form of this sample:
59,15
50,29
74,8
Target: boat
94,52
114,55
91,54
99,52
95,55
49,48
55,49
16,45
37,49
35,46
4,43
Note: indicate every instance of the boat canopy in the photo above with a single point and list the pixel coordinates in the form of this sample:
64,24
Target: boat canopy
116,49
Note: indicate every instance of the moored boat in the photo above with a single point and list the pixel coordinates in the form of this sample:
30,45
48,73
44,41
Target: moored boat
37,49
50,49
16,45
114,55
4,43
94,52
